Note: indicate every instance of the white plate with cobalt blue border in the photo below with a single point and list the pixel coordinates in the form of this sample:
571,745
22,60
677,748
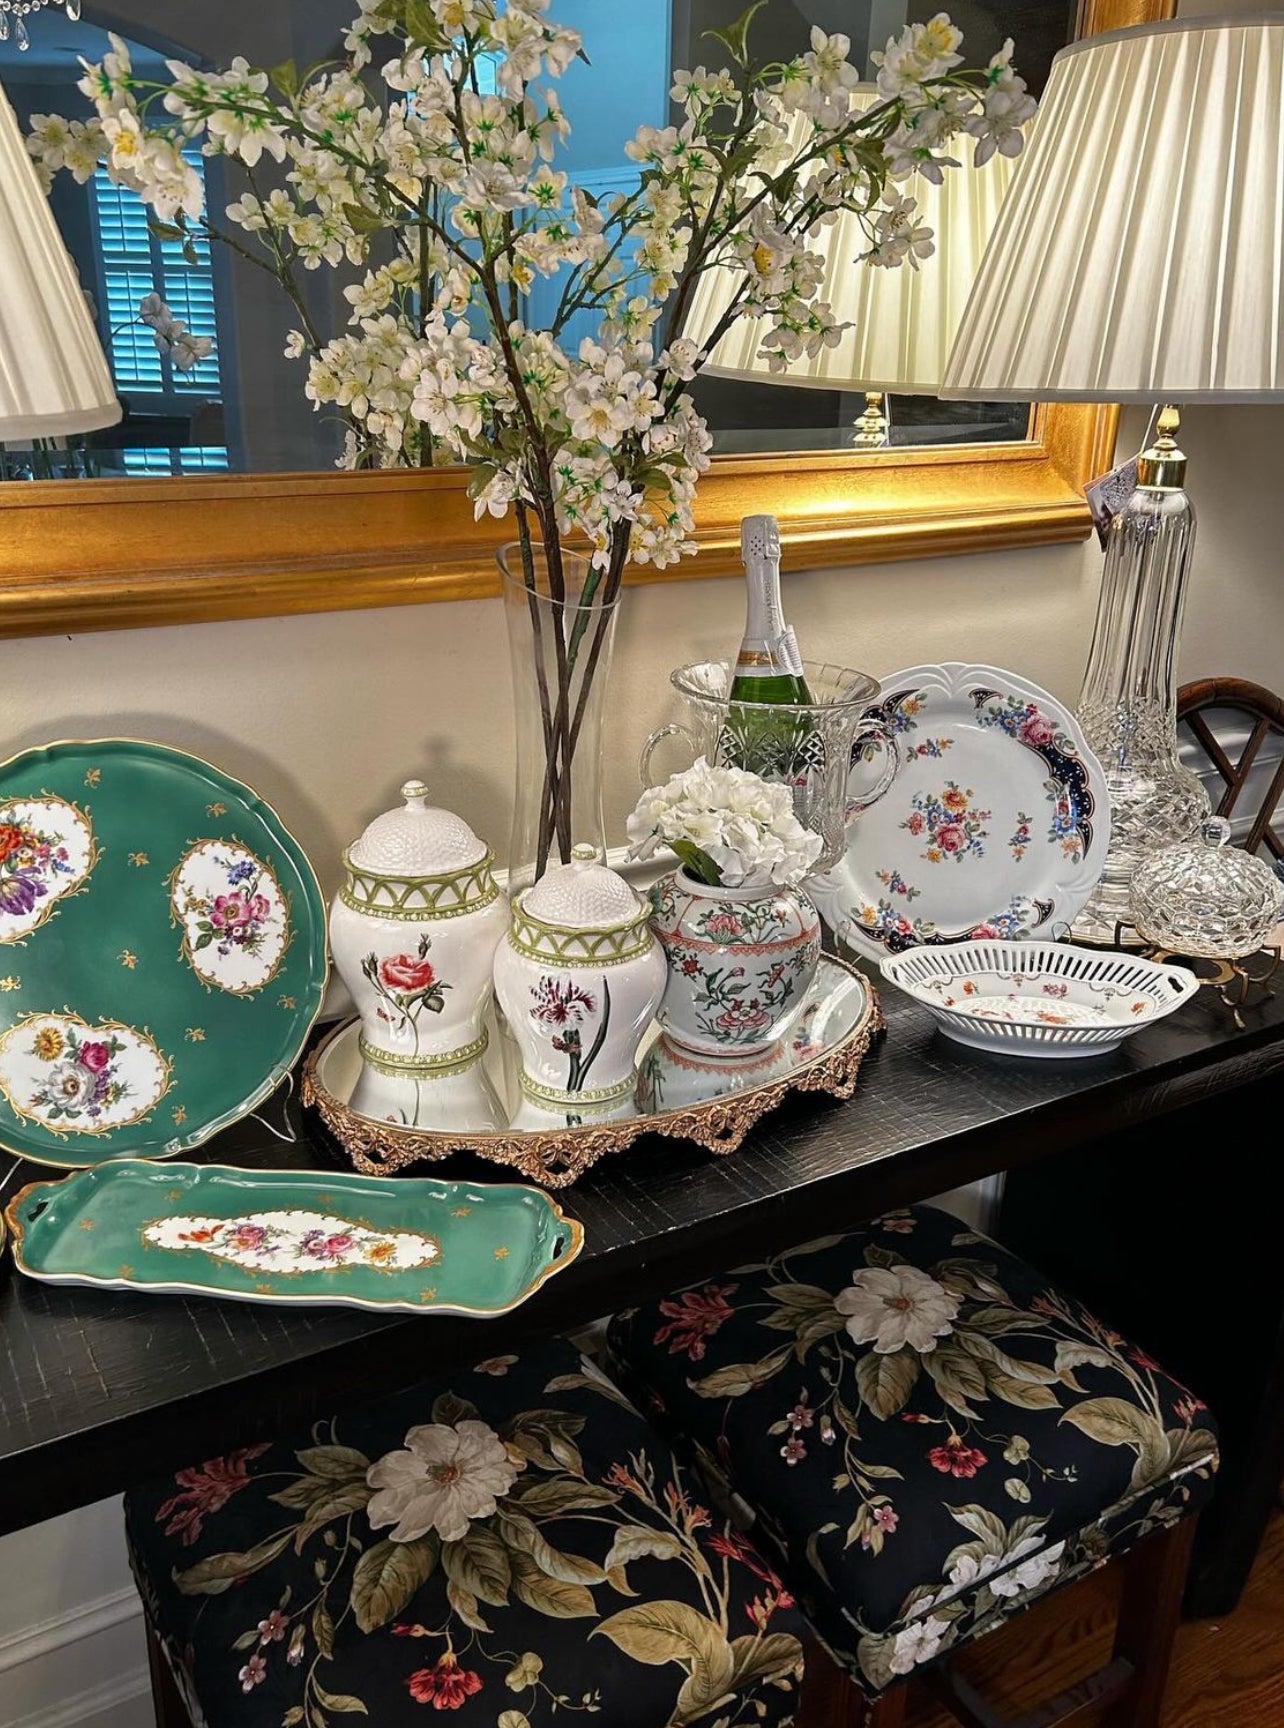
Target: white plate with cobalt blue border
996,824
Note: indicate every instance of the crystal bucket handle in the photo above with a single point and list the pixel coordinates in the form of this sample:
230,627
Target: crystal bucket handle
873,728
658,737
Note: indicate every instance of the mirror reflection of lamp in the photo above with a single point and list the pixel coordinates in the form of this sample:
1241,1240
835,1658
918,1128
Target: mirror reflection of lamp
54,378
20,10
1138,259
902,321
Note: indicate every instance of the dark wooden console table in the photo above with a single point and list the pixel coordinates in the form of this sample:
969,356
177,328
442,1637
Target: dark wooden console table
98,1389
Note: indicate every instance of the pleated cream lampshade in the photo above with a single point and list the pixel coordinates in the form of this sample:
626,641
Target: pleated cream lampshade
1140,254
54,379
903,320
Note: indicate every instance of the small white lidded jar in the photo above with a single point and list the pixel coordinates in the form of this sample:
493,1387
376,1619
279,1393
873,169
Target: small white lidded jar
413,932
579,978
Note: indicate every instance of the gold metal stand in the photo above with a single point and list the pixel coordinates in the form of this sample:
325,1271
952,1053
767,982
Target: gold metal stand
1243,983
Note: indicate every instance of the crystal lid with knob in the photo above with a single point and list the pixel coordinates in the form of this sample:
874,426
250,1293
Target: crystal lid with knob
416,841
1207,899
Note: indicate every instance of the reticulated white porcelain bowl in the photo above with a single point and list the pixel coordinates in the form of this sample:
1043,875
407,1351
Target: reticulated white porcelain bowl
1038,998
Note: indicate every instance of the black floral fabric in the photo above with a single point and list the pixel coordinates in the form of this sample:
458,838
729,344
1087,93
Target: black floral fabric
925,1433
506,1547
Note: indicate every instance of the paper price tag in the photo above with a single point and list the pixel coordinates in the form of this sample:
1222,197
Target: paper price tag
1109,494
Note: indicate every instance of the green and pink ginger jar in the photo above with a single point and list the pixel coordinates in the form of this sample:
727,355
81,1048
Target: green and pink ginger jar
740,961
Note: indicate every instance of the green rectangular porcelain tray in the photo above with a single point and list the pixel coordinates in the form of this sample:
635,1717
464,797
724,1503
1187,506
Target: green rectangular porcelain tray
410,1246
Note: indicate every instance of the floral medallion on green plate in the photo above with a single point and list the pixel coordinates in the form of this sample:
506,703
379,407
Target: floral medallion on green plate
162,951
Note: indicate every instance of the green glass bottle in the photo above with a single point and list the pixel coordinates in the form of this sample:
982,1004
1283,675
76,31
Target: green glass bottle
768,667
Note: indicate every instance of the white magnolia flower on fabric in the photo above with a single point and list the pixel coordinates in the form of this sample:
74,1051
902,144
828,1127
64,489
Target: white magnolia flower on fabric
891,1307
446,1476
1030,1574
1008,1574
917,1643
744,823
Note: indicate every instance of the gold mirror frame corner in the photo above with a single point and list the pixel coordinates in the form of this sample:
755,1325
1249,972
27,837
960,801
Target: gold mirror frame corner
111,555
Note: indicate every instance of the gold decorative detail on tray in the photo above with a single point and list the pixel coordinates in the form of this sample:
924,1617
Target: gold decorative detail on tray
180,1116
10,983
128,959
461,1211
216,809
195,1034
558,1157
139,860
88,1224
501,1253
288,1003
93,776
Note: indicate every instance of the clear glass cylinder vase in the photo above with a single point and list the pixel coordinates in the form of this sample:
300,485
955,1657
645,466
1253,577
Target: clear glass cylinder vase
561,634
1128,705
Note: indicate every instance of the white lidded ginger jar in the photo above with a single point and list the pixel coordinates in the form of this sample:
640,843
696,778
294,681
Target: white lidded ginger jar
413,932
579,978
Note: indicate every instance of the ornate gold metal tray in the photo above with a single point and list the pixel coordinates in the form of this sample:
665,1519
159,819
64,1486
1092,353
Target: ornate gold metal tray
386,1123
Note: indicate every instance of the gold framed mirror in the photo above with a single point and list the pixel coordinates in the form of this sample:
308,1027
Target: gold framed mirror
112,553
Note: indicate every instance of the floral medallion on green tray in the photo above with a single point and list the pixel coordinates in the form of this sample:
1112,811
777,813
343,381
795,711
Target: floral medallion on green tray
409,1244
162,951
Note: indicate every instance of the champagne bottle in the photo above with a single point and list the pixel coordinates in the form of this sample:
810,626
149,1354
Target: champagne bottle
768,667
765,733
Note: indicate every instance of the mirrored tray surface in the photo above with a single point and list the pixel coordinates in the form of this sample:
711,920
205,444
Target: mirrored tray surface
386,1122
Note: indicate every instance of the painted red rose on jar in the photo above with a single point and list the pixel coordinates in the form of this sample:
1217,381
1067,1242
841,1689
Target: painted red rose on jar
407,974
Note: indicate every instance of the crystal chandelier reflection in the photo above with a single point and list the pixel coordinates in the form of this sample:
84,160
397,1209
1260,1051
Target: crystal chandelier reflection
14,15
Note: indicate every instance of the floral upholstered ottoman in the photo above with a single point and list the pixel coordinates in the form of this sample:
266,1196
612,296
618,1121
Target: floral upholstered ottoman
512,1543
926,1435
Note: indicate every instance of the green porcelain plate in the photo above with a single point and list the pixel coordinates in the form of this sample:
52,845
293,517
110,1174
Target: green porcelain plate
162,951
412,1244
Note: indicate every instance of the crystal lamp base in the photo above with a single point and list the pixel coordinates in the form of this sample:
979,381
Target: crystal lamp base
1148,812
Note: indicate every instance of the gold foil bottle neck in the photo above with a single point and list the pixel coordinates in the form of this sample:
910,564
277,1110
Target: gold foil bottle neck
1163,466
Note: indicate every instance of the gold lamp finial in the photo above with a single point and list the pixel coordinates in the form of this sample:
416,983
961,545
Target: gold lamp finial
1163,466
